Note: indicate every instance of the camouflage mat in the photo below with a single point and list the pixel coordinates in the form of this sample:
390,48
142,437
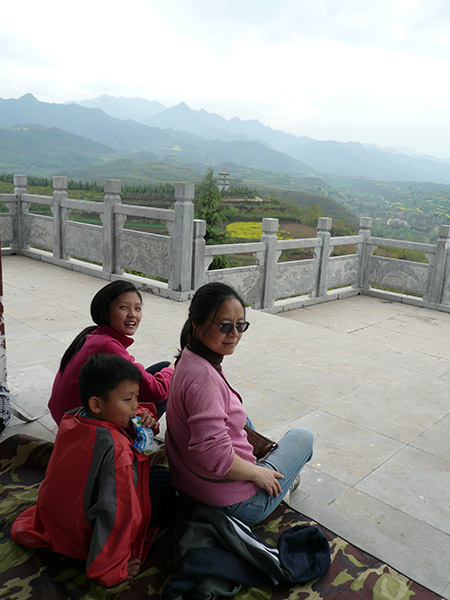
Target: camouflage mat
30,573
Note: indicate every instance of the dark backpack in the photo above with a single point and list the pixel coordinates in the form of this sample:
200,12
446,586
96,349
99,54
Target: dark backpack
5,407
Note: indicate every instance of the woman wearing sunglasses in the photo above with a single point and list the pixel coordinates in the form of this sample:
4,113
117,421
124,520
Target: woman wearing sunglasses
210,457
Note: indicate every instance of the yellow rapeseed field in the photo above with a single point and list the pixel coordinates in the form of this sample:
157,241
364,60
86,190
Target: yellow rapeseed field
251,230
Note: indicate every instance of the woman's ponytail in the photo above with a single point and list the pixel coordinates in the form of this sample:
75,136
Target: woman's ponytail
185,335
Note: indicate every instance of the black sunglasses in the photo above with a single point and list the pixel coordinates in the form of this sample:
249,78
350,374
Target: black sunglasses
227,326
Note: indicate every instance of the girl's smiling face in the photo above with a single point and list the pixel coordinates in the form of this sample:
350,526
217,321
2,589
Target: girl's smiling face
209,333
125,313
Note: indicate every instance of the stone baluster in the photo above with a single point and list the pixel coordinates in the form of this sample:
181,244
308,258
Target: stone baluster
198,257
438,266
322,256
181,240
111,233
60,215
364,251
18,212
271,255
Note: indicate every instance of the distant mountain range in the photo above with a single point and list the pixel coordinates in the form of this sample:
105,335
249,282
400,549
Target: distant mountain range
329,157
128,136
122,127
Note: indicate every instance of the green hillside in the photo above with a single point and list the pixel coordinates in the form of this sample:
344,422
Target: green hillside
137,172
402,210
42,151
305,192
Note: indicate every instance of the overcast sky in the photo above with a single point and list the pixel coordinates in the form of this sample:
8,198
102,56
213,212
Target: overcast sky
373,71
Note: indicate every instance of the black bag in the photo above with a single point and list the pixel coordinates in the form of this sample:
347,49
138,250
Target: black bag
5,407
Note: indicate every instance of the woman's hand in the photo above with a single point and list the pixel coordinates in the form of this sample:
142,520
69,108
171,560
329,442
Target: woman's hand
263,477
268,480
134,566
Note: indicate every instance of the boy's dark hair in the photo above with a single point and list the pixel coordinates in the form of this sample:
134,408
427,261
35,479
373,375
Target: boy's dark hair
102,373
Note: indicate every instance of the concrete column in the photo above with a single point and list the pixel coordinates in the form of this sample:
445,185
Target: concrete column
180,279
18,212
59,216
364,250
111,237
269,238
198,255
439,267
323,233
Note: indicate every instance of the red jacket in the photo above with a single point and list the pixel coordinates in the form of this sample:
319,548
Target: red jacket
104,339
94,502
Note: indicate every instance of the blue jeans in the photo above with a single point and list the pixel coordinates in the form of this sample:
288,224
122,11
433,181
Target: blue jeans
294,451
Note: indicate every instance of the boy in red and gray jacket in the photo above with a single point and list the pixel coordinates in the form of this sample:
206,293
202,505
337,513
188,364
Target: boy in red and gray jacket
95,502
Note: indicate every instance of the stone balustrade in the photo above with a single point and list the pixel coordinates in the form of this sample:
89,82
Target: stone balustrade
175,265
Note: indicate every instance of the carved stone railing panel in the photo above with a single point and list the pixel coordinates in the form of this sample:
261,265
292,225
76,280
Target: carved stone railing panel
246,280
84,241
6,229
342,271
145,252
39,231
295,278
407,276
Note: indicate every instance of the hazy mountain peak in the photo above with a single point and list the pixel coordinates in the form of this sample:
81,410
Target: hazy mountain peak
28,98
136,109
182,106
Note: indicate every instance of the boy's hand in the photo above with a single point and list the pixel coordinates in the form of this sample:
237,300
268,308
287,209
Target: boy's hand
134,566
147,420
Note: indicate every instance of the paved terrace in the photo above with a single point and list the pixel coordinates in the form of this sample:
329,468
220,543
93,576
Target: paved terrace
370,378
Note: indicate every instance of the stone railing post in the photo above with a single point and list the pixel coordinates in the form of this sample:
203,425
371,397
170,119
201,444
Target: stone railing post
198,255
322,256
59,216
364,250
111,232
180,279
18,212
269,238
438,267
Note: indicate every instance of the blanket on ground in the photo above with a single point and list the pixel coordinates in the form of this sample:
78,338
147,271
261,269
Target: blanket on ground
36,573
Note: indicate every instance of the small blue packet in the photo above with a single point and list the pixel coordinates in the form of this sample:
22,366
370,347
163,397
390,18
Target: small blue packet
144,439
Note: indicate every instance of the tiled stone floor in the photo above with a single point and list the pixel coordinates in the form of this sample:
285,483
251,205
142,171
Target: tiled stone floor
370,378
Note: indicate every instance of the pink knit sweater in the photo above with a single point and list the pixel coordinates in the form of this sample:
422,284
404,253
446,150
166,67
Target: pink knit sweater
153,388
205,421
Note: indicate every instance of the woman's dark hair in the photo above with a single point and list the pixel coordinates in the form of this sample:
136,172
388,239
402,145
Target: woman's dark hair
102,373
99,312
206,300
